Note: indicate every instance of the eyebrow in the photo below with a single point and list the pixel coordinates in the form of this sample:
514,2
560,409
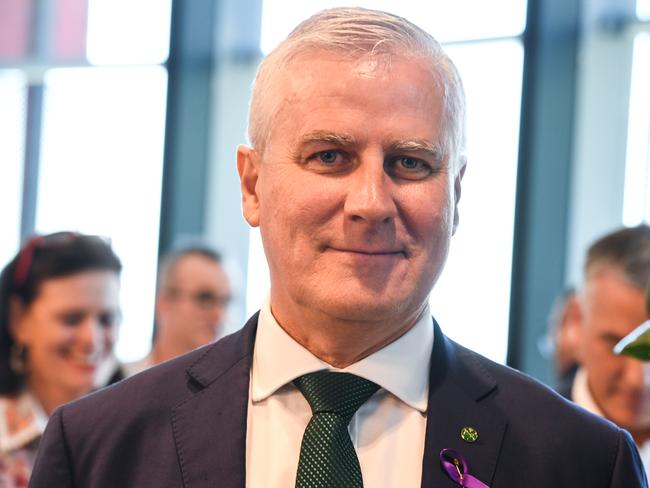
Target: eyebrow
415,145
418,145
327,137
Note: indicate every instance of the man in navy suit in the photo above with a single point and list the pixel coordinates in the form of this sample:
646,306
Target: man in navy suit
342,379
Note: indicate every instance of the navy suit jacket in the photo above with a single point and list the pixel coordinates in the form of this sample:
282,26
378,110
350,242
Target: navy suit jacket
183,424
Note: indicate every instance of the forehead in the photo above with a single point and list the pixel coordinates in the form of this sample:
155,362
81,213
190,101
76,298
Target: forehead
318,70
612,304
88,287
320,88
195,268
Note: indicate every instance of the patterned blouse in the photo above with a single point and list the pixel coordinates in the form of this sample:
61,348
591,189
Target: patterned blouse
22,422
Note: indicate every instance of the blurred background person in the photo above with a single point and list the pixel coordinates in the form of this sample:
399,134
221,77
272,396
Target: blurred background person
58,316
191,302
611,305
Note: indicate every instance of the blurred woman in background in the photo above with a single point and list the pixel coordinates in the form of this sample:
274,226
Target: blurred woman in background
58,316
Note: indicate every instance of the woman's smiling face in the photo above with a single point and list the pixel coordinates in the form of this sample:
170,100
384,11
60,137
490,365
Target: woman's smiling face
68,331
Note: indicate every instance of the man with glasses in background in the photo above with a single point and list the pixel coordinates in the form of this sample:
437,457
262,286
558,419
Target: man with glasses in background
191,302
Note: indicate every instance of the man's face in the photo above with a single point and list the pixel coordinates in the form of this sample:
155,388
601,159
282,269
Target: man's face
192,302
610,309
354,199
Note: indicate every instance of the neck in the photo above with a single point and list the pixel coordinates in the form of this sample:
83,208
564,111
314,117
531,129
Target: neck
166,348
640,436
343,342
50,397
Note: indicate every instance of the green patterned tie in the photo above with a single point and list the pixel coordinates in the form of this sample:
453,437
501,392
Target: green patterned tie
327,456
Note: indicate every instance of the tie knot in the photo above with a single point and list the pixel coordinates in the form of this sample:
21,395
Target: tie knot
340,393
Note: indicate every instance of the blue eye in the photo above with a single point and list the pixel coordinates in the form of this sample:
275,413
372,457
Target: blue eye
408,168
328,157
410,163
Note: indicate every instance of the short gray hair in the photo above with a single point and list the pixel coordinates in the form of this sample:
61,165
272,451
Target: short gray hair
355,32
627,250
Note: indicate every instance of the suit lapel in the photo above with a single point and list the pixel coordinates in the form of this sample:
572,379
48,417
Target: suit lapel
459,396
212,452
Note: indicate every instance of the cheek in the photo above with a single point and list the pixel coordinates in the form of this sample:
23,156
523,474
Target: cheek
48,348
430,218
602,362
109,335
53,337
274,210
591,352
295,214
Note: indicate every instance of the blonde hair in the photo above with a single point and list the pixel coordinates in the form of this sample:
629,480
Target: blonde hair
357,32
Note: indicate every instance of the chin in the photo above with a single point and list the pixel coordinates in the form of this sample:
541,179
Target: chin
81,388
364,310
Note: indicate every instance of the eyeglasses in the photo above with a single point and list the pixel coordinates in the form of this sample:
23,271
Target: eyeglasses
26,255
205,300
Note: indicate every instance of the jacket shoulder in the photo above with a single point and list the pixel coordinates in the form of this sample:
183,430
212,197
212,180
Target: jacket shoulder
160,387
524,396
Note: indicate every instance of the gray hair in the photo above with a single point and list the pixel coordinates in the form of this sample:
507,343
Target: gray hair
626,249
355,32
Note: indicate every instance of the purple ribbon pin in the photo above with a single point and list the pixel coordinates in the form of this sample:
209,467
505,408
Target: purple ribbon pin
455,466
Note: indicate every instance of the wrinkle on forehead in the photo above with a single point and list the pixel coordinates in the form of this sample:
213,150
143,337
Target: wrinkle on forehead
296,78
366,68
296,81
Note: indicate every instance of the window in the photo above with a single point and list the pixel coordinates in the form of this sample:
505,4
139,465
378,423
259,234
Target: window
643,9
13,86
447,20
472,297
99,66
488,52
636,207
101,173
143,28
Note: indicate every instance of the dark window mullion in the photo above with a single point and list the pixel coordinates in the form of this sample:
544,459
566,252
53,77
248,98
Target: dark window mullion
34,116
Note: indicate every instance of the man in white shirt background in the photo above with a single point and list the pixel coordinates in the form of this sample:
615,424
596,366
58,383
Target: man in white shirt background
612,304
343,379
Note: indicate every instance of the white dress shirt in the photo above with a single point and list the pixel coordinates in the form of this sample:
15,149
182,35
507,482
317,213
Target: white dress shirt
387,431
581,395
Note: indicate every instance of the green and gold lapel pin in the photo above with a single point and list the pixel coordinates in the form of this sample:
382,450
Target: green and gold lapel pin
469,434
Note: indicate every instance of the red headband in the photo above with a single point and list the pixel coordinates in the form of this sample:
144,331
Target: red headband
25,258
26,255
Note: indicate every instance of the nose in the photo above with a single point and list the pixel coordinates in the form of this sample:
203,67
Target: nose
91,335
370,196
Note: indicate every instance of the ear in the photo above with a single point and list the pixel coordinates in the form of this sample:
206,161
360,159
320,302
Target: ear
16,319
248,166
457,181
573,320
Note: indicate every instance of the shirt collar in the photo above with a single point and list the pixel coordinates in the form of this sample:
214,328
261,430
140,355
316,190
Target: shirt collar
581,395
401,367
